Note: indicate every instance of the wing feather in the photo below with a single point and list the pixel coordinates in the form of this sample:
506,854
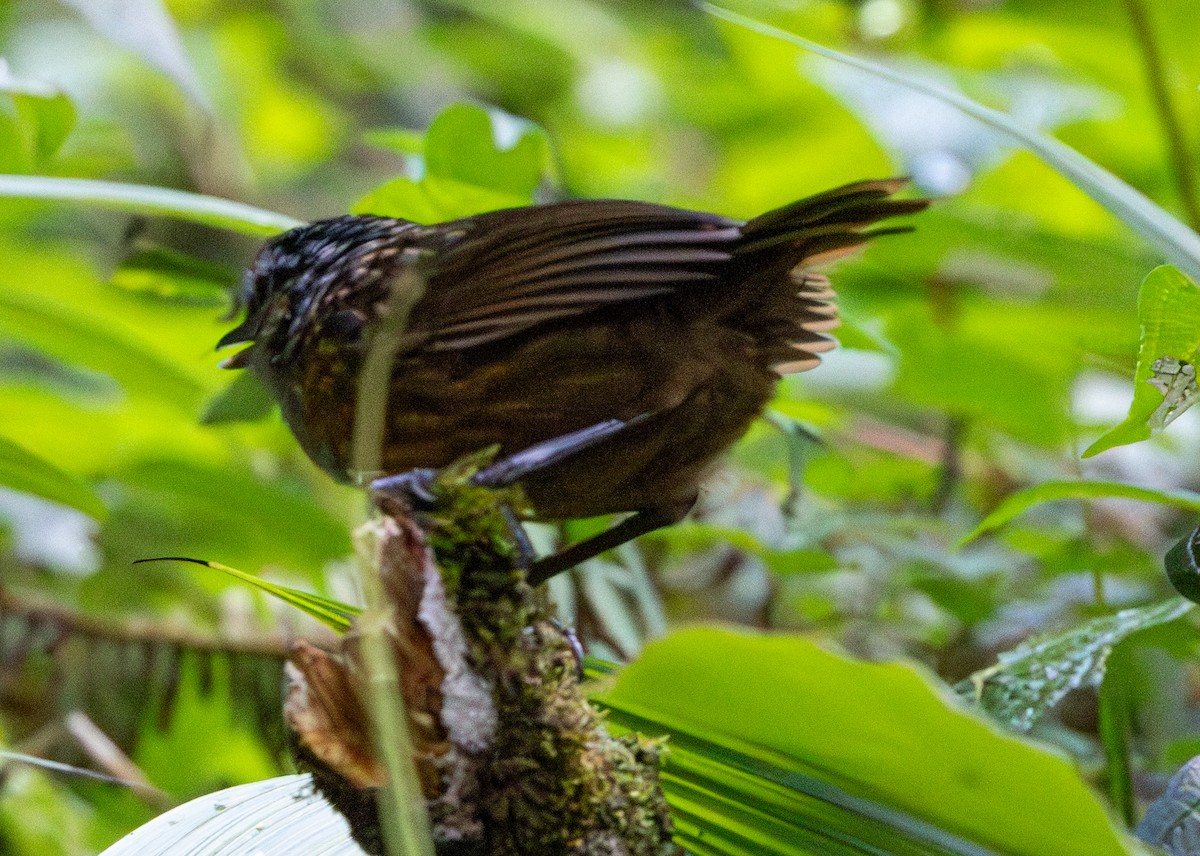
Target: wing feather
510,270
503,272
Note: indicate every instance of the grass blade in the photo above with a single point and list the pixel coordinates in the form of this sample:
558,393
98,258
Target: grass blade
333,614
1021,501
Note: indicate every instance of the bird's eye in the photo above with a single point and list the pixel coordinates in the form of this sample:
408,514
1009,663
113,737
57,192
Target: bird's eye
345,324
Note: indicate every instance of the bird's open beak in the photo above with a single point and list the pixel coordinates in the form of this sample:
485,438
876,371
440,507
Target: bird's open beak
239,360
244,332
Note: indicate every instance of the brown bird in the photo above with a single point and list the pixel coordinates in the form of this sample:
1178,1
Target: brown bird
664,328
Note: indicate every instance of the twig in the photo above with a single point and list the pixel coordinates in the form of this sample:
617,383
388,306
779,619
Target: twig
104,751
137,632
161,799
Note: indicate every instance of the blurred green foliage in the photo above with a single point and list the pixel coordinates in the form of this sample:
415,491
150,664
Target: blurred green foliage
981,354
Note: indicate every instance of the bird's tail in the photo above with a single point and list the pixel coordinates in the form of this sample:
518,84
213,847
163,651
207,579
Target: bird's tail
789,309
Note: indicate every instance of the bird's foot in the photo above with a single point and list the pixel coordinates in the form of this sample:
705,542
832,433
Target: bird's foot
414,488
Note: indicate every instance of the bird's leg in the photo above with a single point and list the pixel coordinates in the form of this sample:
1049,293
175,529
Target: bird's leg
516,466
526,555
415,488
549,452
415,485
637,524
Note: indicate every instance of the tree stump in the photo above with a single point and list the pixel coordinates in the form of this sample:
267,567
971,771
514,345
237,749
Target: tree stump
511,757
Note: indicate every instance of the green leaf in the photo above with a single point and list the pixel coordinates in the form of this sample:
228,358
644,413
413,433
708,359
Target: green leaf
462,144
151,201
728,797
1029,680
333,614
403,141
171,275
1021,501
48,121
46,115
56,329
433,199
1169,313
963,371
1174,239
244,400
881,732
466,169
175,506
26,472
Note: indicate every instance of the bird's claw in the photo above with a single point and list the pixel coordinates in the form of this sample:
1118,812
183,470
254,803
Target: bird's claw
569,637
572,639
414,487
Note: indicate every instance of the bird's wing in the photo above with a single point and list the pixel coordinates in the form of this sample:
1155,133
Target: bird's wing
500,273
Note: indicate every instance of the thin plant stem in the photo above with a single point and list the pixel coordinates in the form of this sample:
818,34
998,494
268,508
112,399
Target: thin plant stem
1177,147
1089,527
402,814
1098,595
951,473
1114,737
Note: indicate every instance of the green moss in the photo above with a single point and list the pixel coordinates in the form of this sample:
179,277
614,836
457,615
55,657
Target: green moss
555,781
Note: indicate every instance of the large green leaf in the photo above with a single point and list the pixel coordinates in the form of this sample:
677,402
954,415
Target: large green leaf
180,507
60,330
174,276
464,143
433,199
729,797
879,731
24,471
90,439
967,373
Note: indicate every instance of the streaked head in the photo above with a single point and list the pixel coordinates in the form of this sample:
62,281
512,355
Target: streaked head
298,272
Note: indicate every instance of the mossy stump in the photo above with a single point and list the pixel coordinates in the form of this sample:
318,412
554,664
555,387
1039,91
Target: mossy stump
511,756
